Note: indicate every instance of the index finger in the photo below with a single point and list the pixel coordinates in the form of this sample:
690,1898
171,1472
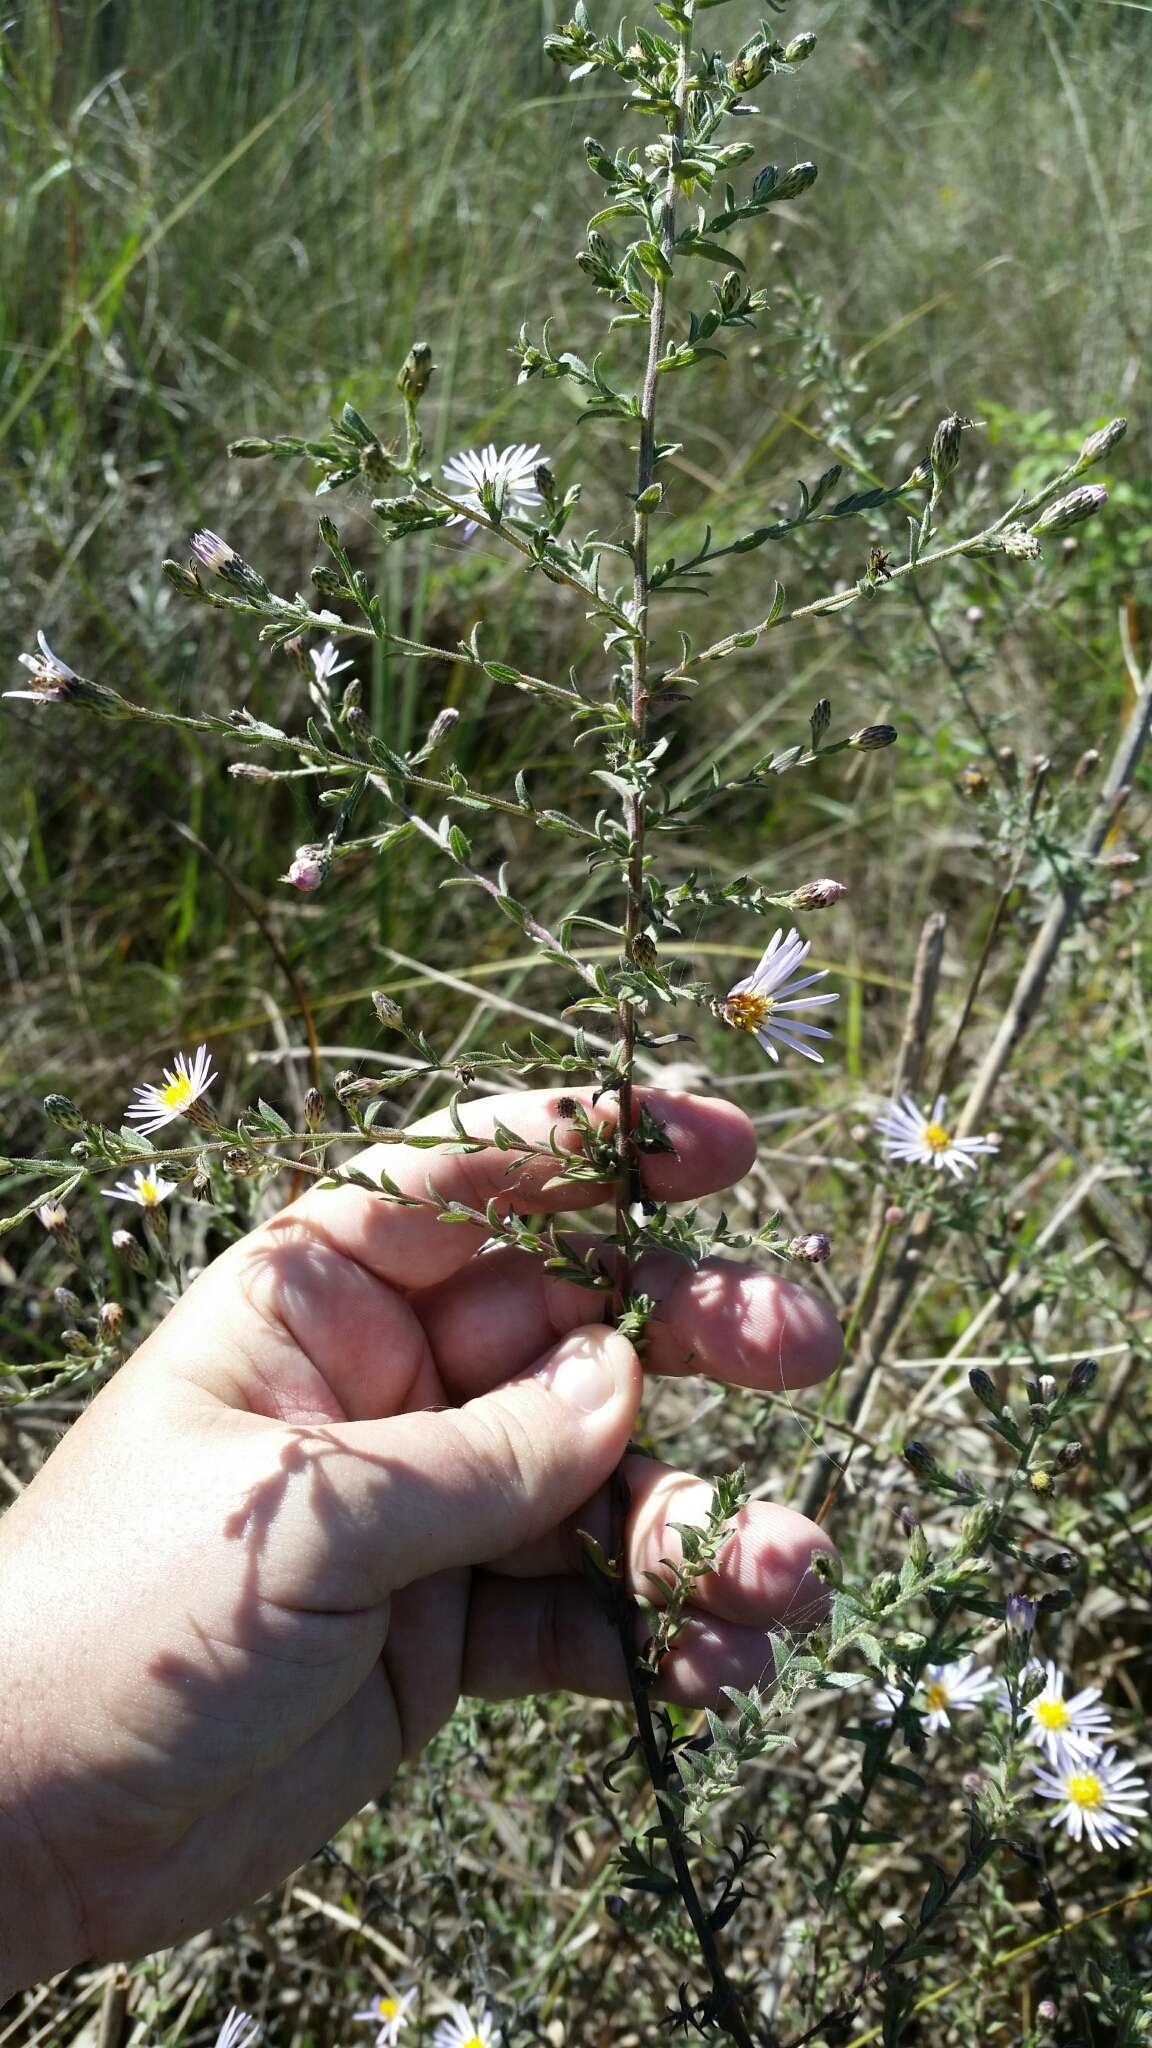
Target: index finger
712,1144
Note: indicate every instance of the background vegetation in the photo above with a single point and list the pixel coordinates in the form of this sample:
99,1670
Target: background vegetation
229,216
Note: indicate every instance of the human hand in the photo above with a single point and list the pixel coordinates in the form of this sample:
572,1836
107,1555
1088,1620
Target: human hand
339,1486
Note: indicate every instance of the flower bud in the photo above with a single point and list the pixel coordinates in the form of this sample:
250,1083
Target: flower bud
872,736
388,1012
53,1217
976,1528
308,869
812,1249
111,1321
130,1250
909,1520
644,950
984,1388
945,452
973,782
820,720
1055,1602
909,1642
438,731
800,48
63,1111
883,1589
76,1343
250,445
69,1304
1059,1564
1020,1613
920,1458
314,1109
1101,443
1087,764
235,1159
415,371
1082,503
1070,1455
827,1566
1047,2011
1082,1376
819,895
1047,1387
795,181
894,1215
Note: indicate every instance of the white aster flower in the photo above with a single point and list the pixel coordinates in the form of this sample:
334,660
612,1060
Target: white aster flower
389,2016
509,472
1097,1796
149,1190
177,1095
760,1001
926,1140
326,664
239,2030
1067,1730
460,2030
944,1690
52,679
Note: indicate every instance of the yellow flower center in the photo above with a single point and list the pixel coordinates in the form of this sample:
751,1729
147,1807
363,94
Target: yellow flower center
147,1190
937,1696
176,1092
744,1013
1051,1713
936,1137
1085,1789
387,2008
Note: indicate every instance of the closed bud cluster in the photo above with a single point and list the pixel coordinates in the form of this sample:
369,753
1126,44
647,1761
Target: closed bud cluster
1080,504
812,1249
1101,443
415,372
871,736
63,1111
819,895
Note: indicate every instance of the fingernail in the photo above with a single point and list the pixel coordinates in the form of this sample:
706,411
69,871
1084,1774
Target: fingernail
582,1371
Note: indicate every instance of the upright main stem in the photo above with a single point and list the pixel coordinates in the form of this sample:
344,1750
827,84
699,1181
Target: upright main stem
725,2007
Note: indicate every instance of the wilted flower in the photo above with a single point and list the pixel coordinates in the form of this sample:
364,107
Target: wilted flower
389,2015
945,1689
149,1188
179,1094
1098,1797
1067,1729
52,679
756,1003
509,474
460,2030
926,1141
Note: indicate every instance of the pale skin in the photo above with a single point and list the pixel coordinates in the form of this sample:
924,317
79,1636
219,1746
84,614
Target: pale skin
340,1486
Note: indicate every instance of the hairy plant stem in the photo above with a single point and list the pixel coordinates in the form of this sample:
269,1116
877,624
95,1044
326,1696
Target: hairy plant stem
724,2005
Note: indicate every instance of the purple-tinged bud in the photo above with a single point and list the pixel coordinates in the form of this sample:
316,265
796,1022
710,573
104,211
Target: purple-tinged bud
314,1109
812,1249
909,1520
1020,1613
984,1388
819,895
870,737
1082,1376
894,1215
1047,2011
973,1783
308,869
1101,443
1082,503
945,452
1087,764
920,1458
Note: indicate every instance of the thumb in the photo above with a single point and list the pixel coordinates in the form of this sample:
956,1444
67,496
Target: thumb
396,1500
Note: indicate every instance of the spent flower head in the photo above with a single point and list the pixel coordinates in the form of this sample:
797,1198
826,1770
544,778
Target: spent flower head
763,1002
52,679
925,1140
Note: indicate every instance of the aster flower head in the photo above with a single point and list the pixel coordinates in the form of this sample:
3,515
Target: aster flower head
922,1140
944,1690
52,679
763,1001
460,2030
179,1094
240,2030
326,665
508,473
1067,1730
389,2015
1095,1796
308,869
148,1189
